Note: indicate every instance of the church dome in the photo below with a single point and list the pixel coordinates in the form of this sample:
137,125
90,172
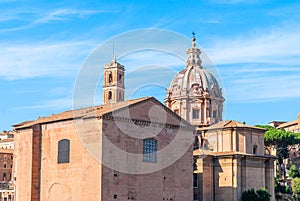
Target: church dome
194,92
194,80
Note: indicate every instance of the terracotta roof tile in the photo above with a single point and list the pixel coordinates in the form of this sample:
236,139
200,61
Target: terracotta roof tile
230,124
199,152
287,124
84,112
7,140
6,151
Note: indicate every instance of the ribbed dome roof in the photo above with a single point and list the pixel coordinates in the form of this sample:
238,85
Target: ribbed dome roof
194,80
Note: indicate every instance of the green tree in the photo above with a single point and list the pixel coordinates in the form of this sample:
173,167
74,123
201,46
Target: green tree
261,194
293,171
281,139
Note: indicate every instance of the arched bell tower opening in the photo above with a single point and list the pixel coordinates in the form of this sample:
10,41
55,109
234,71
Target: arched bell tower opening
114,85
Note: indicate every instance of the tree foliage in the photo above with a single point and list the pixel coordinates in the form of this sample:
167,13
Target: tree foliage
296,185
280,138
261,194
293,171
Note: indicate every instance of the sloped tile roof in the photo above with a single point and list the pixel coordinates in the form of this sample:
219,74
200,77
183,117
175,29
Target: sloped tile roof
78,113
230,124
6,151
97,111
287,124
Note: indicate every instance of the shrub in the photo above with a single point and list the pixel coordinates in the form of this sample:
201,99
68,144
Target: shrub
261,194
249,195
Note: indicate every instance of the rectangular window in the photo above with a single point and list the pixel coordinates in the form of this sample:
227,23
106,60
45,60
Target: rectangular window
150,150
63,151
4,176
120,96
214,114
195,180
195,113
254,149
196,197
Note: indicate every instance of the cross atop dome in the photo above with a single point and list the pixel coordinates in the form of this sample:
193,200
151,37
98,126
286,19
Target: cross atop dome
193,34
193,39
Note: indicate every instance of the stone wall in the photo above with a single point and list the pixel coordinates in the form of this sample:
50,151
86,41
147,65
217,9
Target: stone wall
41,177
23,164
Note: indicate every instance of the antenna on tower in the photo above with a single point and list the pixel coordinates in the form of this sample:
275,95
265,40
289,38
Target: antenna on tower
114,55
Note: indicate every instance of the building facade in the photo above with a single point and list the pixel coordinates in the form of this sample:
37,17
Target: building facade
231,160
70,156
229,156
291,126
6,166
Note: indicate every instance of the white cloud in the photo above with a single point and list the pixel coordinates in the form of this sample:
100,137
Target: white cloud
261,67
19,61
54,104
65,14
38,17
277,46
211,21
260,83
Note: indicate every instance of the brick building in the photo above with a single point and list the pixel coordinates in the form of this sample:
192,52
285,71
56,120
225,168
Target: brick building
71,155
122,150
291,126
6,166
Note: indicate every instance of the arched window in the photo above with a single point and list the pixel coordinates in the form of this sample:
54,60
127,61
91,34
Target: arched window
110,77
63,151
109,95
120,78
150,150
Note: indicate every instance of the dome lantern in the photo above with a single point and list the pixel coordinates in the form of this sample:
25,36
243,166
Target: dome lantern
193,54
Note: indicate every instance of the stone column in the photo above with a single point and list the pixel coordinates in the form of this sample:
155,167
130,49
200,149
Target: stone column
205,113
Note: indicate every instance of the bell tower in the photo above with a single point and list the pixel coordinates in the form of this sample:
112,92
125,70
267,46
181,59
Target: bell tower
114,87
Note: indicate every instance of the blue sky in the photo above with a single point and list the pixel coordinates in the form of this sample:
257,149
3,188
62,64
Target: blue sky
254,45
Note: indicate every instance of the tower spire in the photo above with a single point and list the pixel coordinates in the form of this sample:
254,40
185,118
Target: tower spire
114,55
